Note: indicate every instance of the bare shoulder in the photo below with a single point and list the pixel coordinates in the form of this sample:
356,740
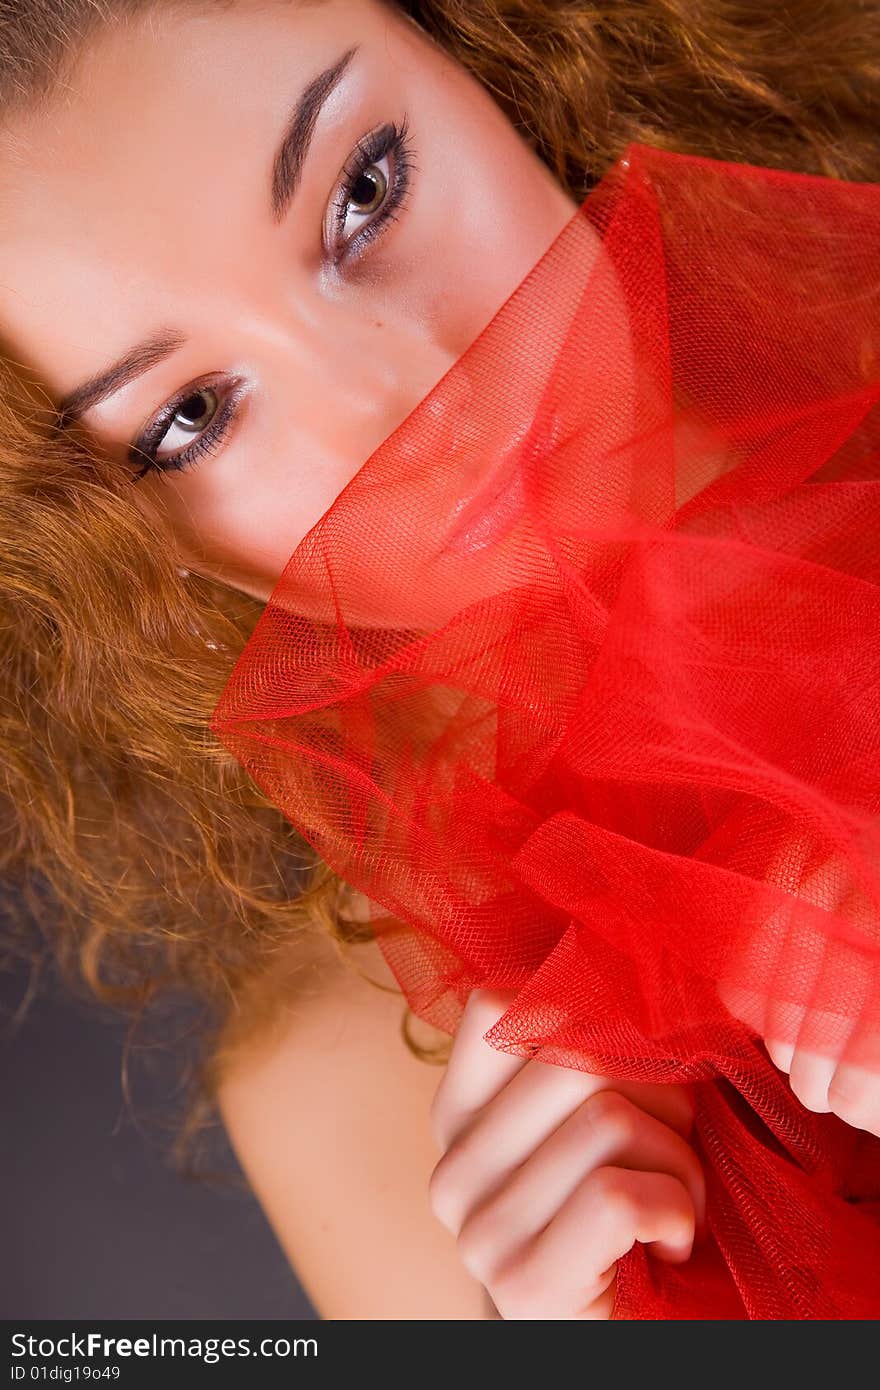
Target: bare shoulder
329,1116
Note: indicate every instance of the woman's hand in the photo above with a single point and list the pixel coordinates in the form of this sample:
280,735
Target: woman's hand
550,1175
793,954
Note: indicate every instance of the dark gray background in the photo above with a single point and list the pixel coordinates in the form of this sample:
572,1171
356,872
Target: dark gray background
94,1221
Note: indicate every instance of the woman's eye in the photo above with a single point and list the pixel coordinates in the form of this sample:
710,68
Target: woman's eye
190,417
367,195
187,430
373,188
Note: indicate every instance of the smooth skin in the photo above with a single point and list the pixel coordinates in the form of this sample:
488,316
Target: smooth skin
141,200
138,202
492,1187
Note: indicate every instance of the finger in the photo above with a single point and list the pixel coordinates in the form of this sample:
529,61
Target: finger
602,1307
774,955
774,1019
810,1076
831,1067
781,1053
787,986
751,1008
799,1036
745,1004
607,1130
815,985
822,1038
504,1134
566,1269
758,989
854,1096
826,1037
475,1072
671,1104
810,1068
520,1119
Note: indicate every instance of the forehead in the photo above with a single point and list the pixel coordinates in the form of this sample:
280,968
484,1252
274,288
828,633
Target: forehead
197,79
151,166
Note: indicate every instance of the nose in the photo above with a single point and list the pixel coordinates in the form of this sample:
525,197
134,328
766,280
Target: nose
352,372
389,363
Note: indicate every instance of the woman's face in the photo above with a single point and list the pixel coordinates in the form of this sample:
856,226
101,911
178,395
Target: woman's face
257,235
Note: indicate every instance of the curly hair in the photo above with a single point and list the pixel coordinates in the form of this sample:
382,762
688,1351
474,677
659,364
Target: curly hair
145,859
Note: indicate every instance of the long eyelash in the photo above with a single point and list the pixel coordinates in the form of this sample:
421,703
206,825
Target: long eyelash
207,442
391,138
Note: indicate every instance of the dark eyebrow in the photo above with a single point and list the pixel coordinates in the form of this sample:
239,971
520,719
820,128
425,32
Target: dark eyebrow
133,363
291,156
287,170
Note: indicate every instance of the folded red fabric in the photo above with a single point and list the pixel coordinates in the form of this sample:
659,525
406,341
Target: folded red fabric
579,680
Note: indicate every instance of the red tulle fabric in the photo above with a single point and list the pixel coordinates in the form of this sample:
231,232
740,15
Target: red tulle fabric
578,680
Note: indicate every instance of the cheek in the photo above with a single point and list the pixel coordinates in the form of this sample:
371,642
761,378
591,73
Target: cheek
246,533
491,214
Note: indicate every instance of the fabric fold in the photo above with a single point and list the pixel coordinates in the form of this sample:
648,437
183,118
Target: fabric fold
578,681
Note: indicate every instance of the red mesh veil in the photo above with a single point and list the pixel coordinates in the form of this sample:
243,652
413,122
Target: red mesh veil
578,680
